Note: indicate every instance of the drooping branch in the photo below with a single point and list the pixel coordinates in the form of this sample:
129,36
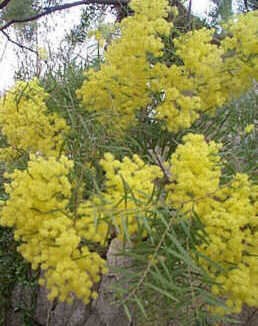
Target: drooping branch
4,3
50,10
119,4
24,47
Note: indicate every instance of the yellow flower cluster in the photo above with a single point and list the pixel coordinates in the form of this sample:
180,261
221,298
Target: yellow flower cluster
241,53
193,87
121,87
244,34
128,194
232,229
204,61
103,33
210,75
195,174
25,123
180,105
228,213
37,210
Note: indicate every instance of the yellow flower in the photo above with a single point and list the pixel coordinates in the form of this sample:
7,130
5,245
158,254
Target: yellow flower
121,87
37,209
42,53
27,125
129,188
208,77
249,128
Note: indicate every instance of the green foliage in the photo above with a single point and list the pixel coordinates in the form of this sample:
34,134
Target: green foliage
14,271
228,126
164,282
90,16
19,9
223,10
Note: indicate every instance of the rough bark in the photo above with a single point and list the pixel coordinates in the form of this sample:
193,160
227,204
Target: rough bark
101,312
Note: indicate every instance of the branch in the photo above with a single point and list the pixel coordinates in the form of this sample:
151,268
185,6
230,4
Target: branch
50,10
4,3
246,5
189,11
160,161
3,53
24,47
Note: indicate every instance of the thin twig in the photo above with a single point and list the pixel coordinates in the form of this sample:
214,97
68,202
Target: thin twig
150,263
50,10
189,10
189,16
24,47
160,162
4,51
4,3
